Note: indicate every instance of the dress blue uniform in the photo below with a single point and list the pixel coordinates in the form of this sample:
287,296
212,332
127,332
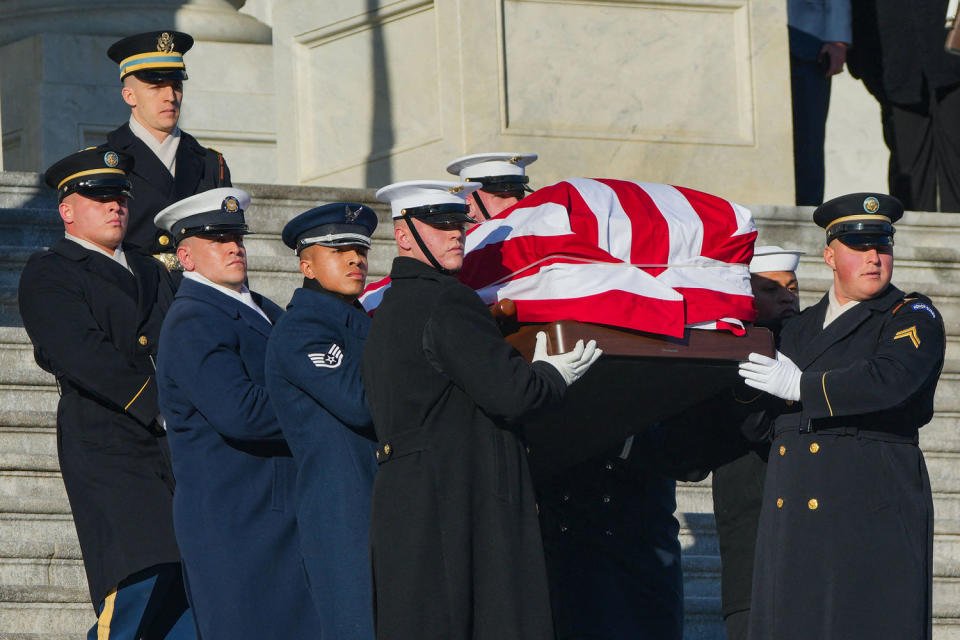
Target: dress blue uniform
845,541
233,509
313,378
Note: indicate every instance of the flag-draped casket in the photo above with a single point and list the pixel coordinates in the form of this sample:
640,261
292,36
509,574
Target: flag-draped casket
656,265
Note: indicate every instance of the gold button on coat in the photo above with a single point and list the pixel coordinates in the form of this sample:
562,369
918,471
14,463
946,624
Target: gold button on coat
783,449
812,503
779,503
143,341
386,449
163,240
814,447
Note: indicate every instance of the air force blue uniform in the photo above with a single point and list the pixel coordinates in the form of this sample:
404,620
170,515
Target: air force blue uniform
313,376
233,509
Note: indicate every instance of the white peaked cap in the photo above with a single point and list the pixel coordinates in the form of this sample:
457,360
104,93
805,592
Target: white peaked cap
774,258
204,202
422,193
482,165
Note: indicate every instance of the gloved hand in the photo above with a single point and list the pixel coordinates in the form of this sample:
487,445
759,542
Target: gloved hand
572,364
778,377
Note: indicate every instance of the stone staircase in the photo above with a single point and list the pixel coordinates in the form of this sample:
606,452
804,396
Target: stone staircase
43,593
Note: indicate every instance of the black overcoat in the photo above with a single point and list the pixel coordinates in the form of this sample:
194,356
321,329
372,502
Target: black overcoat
844,546
96,327
198,169
455,543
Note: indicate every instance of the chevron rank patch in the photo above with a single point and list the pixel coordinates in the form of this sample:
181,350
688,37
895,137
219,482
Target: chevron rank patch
329,360
909,333
919,306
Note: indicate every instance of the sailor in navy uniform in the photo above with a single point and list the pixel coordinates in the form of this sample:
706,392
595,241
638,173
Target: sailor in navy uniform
169,164
93,309
314,381
233,510
503,181
845,541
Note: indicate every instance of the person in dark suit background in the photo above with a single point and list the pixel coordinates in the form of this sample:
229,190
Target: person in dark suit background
898,53
93,310
314,381
845,541
169,164
819,33
233,510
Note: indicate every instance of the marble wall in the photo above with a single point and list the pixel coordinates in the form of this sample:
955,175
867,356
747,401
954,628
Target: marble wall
683,91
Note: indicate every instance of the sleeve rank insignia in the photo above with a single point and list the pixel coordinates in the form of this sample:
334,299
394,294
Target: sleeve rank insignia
909,333
329,360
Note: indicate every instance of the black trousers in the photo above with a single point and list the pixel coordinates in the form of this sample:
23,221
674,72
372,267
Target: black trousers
924,143
811,101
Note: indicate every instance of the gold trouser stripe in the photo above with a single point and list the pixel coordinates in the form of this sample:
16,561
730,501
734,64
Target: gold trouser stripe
823,383
106,616
138,394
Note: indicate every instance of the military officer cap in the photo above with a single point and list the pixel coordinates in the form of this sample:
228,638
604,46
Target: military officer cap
337,224
217,212
497,172
860,219
431,201
156,56
95,172
774,258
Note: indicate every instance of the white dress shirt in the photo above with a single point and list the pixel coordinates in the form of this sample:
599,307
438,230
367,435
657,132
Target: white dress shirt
835,309
243,295
166,151
116,256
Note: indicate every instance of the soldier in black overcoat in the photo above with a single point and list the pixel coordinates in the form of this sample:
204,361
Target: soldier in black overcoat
455,542
93,309
169,164
845,541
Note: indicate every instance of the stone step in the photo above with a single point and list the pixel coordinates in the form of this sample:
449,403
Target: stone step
29,609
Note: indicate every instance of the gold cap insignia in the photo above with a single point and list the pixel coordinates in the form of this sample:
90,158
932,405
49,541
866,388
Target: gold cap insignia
515,159
456,189
871,204
165,42
230,205
111,159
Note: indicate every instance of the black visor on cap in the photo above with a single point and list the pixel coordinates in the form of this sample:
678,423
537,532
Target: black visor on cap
866,240
860,228
448,213
212,223
106,186
155,76
501,184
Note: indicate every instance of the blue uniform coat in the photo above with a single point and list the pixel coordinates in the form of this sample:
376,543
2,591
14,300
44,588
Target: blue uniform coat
313,377
233,508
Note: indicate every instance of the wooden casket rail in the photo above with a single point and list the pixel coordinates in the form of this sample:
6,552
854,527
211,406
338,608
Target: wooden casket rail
641,380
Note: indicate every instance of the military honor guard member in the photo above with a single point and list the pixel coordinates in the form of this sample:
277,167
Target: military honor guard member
845,541
169,164
233,511
503,181
455,543
314,381
93,309
738,482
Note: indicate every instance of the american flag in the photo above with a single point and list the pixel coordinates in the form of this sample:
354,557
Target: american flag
643,256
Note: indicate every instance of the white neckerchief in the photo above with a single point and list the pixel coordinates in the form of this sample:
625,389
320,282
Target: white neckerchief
243,295
835,309
117,255
166,151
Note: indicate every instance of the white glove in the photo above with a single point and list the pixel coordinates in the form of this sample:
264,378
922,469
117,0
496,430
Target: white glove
778,377
572,364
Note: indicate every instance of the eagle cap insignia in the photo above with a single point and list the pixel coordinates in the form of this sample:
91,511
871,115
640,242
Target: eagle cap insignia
515,159
456,189
230,205
111,159
165,42
351,216
871,205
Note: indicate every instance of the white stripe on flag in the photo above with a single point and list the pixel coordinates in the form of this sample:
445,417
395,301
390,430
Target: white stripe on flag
683,221
565,281
614,231
745,221
709,274
548,219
